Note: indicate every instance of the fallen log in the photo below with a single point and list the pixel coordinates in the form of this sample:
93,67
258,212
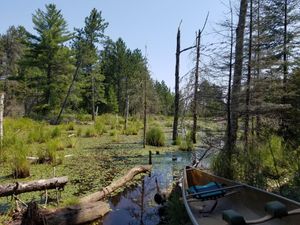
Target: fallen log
115,185
37,185
79,214
89,209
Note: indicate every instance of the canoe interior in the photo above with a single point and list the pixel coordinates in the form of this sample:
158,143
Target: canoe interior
247,201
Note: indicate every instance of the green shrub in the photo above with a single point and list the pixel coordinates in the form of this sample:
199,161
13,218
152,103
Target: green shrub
52,147
70,126
91,132
78,132
155,137
56,132
71,142
39,135
113,132
178,141
100,127
83,117
187,143
20,164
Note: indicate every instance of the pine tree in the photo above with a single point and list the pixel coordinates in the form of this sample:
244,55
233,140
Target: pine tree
93,33
50,56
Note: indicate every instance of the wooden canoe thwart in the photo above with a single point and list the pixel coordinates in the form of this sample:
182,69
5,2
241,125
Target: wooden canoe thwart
37,185
213,200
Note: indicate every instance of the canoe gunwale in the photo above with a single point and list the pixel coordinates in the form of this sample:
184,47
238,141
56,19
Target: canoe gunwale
186,204
185,195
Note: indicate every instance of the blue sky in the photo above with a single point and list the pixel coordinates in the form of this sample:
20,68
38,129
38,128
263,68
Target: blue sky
138,22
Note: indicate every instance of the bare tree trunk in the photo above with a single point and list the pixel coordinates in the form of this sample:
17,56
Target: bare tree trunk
1,119
126,105
283,125
228,130
93,97
258,118
285,62
237,77
196,85
68,93
176,101
248,84
145,113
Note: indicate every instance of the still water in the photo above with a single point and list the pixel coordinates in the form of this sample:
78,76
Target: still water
136,206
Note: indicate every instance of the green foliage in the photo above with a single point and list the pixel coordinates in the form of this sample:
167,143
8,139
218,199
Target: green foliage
176,213
166,98
52,147
20,165
48,54
71,142
99,127
155,137
56,132
39,135
90,132
70,126
78,132
186,144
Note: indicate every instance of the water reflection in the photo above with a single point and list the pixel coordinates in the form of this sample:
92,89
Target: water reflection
136,206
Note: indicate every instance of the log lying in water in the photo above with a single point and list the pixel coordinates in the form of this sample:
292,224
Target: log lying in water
116,184
89,209
79,214
37,185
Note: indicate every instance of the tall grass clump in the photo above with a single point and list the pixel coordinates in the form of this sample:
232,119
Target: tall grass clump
186,143
49,154
20,165
133,128
56,132
90,132
155,137
40,135
99,127
70,126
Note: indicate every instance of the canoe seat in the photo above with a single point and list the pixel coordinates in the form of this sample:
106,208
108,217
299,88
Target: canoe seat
274,209
209,191
233,218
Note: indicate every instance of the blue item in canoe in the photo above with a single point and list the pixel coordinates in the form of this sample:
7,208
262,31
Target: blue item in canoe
207,192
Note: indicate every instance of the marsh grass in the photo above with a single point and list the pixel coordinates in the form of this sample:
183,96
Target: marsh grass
90,132
155,137
19,164
70,126
186,143
71,142
56,132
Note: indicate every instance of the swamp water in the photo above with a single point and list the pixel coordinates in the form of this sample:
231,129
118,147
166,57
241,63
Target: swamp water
136,206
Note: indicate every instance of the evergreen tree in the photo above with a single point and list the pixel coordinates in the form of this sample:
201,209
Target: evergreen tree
93,33
50,56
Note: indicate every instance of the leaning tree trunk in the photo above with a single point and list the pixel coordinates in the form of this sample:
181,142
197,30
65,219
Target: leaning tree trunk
236,87
68,93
